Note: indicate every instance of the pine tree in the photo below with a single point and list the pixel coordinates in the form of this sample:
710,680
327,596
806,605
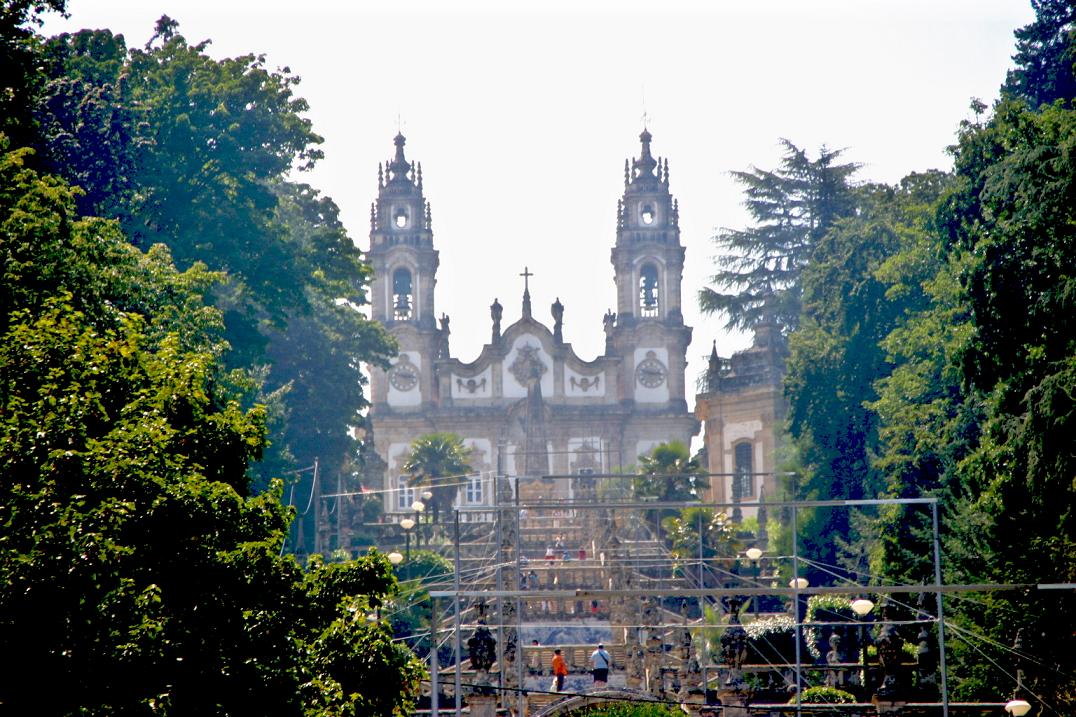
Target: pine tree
1045,55
793,206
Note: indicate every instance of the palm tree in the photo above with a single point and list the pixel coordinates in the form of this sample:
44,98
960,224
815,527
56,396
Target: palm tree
438,460
669,474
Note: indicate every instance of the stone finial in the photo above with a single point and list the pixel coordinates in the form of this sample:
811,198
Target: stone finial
373,216
420,175
558,320
627,173
380,175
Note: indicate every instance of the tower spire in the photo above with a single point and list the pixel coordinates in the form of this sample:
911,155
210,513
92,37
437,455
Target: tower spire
526,292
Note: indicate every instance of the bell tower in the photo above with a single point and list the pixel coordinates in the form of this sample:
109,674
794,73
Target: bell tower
648,258
648,264
405,274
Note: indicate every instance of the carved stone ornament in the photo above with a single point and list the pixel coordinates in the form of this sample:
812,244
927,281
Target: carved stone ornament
651,371
528,365
404,375
470,385
585,383
734,642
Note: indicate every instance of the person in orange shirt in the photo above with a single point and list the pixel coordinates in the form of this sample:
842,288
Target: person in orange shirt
560,669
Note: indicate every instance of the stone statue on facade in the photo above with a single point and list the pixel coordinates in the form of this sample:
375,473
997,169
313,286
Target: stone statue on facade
495,312
890,656
558,320
442,350
609,323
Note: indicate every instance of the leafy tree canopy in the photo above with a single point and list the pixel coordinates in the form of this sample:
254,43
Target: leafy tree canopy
139,573
193,152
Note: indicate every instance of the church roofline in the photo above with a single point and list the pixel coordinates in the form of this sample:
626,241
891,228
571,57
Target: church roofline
492,352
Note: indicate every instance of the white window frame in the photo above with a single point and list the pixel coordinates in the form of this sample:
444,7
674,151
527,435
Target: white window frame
405,494
475,490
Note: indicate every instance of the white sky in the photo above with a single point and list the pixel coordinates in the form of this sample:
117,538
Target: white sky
522,118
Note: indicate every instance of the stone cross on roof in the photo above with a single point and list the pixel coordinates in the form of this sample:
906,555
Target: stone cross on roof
526,292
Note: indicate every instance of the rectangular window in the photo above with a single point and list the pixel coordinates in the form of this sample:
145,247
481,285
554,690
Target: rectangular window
405,496
474,490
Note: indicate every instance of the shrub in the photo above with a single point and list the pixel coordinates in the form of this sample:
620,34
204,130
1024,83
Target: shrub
825,696
771,640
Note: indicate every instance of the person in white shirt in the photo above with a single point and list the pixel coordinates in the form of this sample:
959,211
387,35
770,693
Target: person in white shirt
600,662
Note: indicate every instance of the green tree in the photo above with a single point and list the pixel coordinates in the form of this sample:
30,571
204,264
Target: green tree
316,356
792,207
438,461
701,530
20,57
193,152
668,473
1045,55
139,573
836,358
1013,214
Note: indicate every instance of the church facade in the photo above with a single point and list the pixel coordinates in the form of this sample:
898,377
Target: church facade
529,406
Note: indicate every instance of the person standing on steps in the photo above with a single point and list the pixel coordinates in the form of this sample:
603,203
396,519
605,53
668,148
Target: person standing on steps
560,670
600,661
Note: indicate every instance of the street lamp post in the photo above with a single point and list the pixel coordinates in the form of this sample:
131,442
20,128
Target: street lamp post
862,607
407,524
753,554
1018,706
418,506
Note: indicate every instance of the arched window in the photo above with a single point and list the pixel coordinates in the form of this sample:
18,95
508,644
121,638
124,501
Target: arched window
743,481
647,214
649,292
405,495
403,298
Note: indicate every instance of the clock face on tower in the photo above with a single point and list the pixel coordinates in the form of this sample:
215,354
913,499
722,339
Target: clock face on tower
651,371
404,375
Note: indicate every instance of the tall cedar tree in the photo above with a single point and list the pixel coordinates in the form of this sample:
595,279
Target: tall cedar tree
793,207
1045,55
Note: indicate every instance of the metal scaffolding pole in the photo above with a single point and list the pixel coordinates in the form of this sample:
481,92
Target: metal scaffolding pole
941,611
796,607
459,637
435,710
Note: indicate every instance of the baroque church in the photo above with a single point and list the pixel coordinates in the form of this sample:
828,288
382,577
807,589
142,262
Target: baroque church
529,405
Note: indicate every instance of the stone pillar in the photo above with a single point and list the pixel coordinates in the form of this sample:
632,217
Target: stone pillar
482,705
734,702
